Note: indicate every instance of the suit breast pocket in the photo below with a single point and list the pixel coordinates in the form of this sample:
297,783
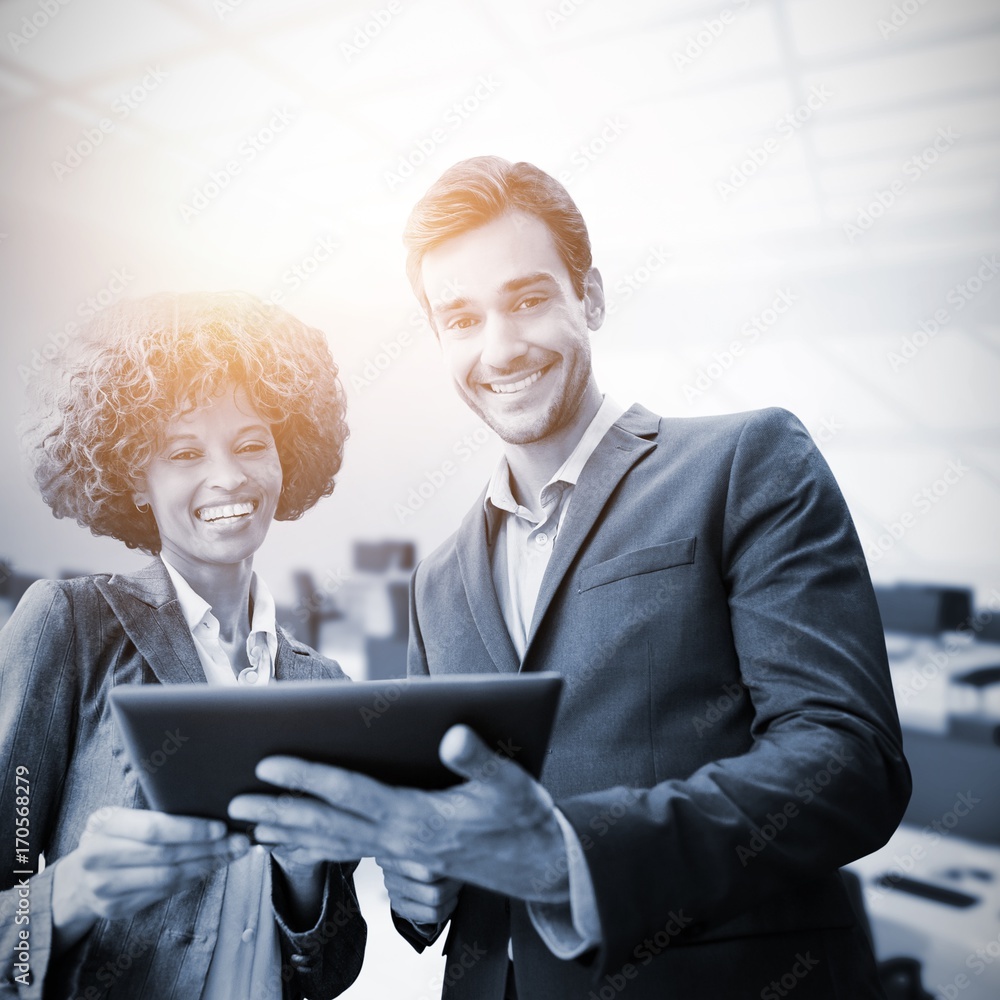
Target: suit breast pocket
679,552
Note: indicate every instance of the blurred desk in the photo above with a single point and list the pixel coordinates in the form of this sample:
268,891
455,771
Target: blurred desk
923,671
955,936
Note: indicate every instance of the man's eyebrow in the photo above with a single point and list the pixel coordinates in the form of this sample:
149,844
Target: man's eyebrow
514,285
536,278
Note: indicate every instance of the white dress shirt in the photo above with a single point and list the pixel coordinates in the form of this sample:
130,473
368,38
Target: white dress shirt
521,553
246,962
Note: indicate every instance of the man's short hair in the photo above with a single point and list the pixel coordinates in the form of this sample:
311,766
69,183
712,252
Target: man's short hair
474,192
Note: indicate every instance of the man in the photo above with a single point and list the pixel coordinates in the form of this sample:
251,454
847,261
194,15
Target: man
727,736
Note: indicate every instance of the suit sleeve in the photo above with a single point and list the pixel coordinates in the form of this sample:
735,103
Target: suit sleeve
38,704
323,961
824,781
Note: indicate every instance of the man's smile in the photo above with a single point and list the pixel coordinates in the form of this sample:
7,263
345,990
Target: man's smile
522,383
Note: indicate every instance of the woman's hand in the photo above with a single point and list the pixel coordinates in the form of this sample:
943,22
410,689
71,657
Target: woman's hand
128,859
416,893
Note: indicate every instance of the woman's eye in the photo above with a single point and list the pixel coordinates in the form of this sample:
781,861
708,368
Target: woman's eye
253,446
183,456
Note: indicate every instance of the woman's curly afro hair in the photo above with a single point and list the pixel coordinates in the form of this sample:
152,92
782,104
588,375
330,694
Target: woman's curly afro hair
98,412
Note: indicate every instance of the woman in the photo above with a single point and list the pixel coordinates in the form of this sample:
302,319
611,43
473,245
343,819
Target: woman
180,425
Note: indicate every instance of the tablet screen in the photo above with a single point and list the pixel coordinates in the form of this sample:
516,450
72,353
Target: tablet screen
195,747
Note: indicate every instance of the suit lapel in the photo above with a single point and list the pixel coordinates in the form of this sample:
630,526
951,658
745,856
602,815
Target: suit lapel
477,578
147,607
625,443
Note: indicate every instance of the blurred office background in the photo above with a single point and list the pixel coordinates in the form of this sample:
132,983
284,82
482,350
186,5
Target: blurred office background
813,181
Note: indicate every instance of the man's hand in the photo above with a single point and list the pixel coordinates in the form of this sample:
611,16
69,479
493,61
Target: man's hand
497,829
416,893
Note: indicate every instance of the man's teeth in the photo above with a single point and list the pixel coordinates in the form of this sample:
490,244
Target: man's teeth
227,510
516,386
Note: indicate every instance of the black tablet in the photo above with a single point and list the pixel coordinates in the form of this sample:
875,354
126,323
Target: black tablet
195,747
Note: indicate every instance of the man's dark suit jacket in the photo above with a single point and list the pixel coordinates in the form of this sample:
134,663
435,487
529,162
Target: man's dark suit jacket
727,736
66,646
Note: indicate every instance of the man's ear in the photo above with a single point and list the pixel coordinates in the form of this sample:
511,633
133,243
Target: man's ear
593,299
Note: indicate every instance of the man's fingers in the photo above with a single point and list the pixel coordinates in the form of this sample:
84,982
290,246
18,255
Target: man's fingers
346,790
462,751
320,846
154,827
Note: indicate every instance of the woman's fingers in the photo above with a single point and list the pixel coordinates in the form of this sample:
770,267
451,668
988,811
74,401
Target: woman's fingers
118,852
154,827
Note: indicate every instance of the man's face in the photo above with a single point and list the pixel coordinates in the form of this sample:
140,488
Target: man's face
513,332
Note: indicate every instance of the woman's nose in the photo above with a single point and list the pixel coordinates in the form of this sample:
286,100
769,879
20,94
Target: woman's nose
226,473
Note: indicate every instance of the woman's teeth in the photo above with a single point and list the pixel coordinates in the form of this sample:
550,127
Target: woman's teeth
517,386
227,510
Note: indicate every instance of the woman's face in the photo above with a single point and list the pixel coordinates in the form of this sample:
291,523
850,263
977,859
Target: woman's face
214,485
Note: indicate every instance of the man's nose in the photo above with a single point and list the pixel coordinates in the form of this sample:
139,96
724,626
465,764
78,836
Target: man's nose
502,343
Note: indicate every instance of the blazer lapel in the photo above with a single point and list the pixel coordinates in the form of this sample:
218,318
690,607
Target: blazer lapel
147,607
477,578
625,443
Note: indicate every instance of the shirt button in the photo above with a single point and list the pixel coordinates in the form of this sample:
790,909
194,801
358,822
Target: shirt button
248,935
248,676
542,538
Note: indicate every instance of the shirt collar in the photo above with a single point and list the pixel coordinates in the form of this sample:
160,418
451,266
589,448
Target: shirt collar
195,608
499,495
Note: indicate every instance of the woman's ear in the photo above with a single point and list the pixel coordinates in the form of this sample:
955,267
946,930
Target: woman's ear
140,499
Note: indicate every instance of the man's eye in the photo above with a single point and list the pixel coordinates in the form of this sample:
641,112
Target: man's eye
461,323
530,302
